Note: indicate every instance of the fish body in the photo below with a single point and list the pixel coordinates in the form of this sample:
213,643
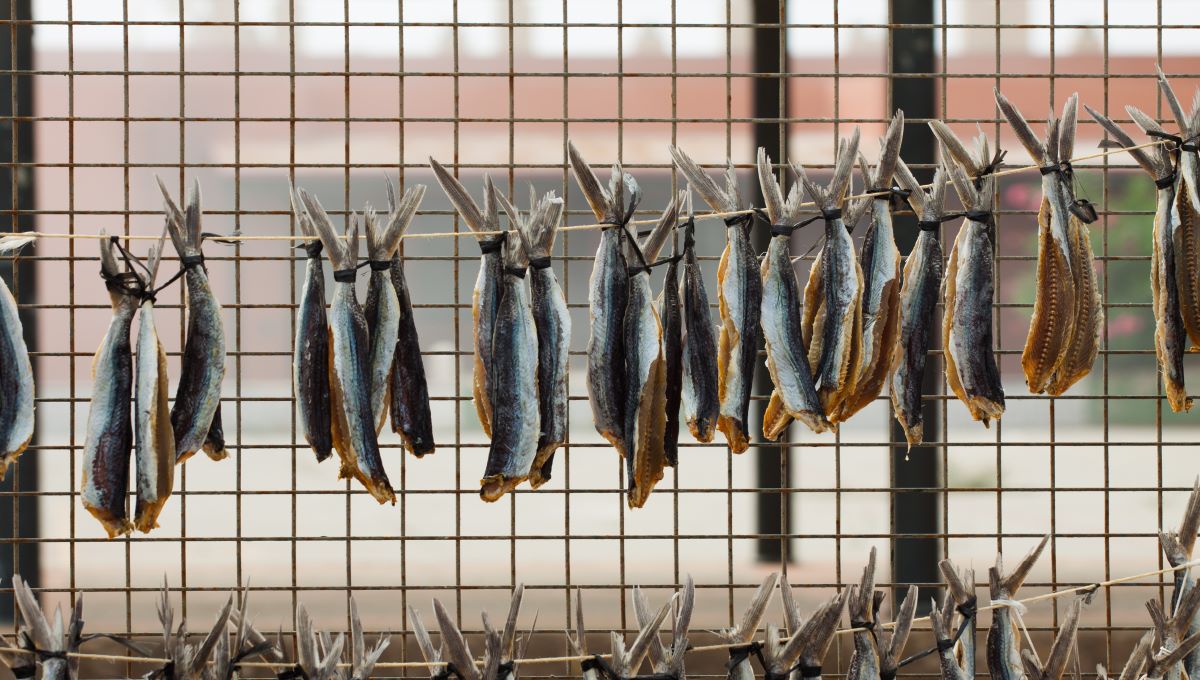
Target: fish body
1187,202
739,296
787,356
670,312
202,366
552,322
1004,638
608,295
310,359
1086,313
109,438
154,454
701,404
382,310
16,379
411,417
863,605
971,368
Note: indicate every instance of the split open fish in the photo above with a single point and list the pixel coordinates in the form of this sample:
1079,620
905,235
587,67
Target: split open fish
353,423
837,281
485,297
552,321
1064,333
923,270
701,403
970,284
879,259
196,412
154,452
1170,335
1187,202
16,373
795,393
310,358
608,293
407,387
739,294
645,369
516,428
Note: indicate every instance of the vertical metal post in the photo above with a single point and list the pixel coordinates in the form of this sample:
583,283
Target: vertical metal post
914,558
770,132
18,518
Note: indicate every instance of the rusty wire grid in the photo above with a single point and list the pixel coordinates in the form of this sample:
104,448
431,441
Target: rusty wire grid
248,97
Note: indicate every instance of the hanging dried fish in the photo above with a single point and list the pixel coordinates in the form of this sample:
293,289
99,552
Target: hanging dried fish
310,359
16,376
1187,202
918,301
739,294
670,311
552,322
382,308
486,296
1170,336
645,370
608,293
516,428
155,450
353,424
835,348
109,439
52,642
701,404
411,418
880,262
795,393
195,414
970,284
1064,334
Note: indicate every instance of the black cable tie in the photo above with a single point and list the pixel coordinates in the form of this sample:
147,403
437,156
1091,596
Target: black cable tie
518,272
505,669
296,672
312,248
345,275
865,625
769,674
1165,182
928,225
783,229
968,609
810,671
741,219
539,262
946,645
635,269
887,675
741,653
989,169
167,671
379,265
1178,143
831,214
488,246
982,216
22,672
186,261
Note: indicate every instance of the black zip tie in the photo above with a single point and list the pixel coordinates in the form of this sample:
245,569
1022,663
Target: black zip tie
689,233
809,671
488,246
167,671
186,261
379,265
831,214
928,225
296,672
968,610
345,275
504,669
518,272
1080,207
1178,143
894,194
741,653
590,663
989,169
981,216
539,262
447,671
637,250
1166,182
743,219
22,672
223,239
1084,210
312,248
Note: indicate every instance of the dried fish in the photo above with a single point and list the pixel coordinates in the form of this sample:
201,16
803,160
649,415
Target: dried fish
670,311
1170,636
353,423
666,662
16,376
1177,547
317,655
155,450
109,439
517,427
381,309
1187,202
960,599
627,661
864,605
893,641
411,418
645,370
310,360
552,322
1003,638
739,294
608,293
838,348
701,405
810,638
743,634
1064,334
1170,336
499,653
880,262
918,302
53,642
970,283
485,299
195,414
1060,652
189,661
1136,662
795,393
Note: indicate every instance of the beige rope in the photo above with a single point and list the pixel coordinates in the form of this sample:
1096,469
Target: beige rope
699,648
578,227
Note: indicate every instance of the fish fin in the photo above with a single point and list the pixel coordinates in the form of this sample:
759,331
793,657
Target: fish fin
953,146
753,616
772,198
1168,92
641,610
904,622
461,199
578,641
862,596
641,644
1143,159
791,610
454,644
1036,148
1012,582
889,151
431,654
1029,661
400,219
654,242
1066,130
509,635
338,251
1064,643
906,180
720,200
1189,526
687,604
13,243
599,199
1137,658
818,632
960,584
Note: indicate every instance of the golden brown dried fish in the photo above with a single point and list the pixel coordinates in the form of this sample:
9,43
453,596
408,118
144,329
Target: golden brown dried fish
154,453
923,271
739,294
1187,202
1170,336
795,393
701,404
16,378
607,297
485,298
880,262
837,331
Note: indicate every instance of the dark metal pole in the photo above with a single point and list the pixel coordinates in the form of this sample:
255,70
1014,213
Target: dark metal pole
770,108
16,198
915,559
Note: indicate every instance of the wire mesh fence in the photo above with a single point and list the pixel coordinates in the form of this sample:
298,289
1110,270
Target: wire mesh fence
333,97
